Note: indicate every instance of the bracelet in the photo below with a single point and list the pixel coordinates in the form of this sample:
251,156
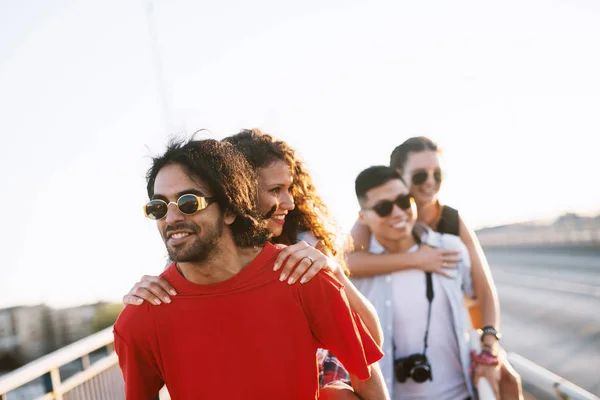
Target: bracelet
484,358
488,353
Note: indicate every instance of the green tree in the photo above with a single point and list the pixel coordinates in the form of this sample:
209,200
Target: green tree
106,316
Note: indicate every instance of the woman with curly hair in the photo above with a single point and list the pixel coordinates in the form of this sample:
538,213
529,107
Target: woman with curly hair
299,221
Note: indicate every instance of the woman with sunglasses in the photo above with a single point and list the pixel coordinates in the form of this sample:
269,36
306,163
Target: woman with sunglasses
298,219
418,162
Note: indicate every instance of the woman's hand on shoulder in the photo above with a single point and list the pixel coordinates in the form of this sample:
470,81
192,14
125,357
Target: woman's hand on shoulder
300,262
435,260
153,289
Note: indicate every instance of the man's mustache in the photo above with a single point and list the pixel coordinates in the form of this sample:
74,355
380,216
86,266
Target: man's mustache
181,227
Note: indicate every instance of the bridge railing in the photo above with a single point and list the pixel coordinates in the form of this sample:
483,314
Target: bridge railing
546,381
99,375
94,361
90,363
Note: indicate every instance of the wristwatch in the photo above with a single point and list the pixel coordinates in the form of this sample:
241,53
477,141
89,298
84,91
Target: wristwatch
490,330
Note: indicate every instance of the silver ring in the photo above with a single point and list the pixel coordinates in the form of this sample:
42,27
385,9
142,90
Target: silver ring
311,259
444,265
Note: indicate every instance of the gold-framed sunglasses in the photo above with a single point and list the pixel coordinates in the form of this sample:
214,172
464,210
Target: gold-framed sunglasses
188,204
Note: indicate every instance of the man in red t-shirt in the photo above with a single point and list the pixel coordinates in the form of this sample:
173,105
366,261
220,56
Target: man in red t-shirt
233,331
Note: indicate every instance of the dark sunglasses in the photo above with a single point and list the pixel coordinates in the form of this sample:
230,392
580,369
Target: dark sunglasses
420,177
384,208
188,204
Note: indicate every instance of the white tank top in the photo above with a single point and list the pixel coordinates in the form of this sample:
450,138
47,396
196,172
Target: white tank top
410,320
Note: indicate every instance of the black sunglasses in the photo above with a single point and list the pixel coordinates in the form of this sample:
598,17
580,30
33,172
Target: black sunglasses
420,177
188,204
384,208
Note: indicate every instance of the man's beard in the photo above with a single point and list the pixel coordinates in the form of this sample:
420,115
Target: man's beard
201,248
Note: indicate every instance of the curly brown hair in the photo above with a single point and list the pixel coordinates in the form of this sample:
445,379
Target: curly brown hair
310,212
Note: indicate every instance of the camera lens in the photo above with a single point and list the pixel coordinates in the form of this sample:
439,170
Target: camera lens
420,374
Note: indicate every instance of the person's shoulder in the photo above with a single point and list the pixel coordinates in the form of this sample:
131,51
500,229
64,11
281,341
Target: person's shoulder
267,255
134,321
445,241
450,242
321,297
322,282
450,209
132,315
260,270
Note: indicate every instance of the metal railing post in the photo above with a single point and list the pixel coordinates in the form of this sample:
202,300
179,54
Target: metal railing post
85,361
55,377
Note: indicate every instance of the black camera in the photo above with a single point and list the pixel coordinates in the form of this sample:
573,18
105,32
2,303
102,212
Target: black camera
415,366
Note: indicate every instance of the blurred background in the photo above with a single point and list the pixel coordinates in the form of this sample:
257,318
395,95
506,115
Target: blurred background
510,90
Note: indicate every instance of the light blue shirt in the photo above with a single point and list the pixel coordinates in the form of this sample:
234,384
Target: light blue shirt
378,289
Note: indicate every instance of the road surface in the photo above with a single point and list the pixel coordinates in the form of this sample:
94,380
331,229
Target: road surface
550,300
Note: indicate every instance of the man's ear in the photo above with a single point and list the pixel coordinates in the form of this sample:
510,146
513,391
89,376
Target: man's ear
228,217
362,217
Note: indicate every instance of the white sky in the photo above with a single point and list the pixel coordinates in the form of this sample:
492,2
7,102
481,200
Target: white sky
510,89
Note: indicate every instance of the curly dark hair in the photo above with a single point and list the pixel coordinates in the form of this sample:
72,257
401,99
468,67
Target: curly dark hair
231,179
310,213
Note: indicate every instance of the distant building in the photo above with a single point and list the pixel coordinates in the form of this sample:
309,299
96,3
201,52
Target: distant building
29,332
568,229
72,324
8,341
25,333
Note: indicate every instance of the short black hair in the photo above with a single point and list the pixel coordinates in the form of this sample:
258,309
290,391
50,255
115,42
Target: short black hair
232,181
373,177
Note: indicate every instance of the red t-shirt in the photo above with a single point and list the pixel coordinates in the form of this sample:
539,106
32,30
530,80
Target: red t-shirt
249,337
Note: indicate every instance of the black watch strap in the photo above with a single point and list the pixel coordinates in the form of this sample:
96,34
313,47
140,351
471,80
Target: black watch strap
490,330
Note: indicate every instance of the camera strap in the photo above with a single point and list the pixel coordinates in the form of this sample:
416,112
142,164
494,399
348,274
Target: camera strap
429,295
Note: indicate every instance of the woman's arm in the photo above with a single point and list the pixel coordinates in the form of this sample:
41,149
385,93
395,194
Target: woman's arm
373,388
361,235
483,282
362,263
487,300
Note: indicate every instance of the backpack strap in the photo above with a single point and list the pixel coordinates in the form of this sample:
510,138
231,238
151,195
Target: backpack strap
449,221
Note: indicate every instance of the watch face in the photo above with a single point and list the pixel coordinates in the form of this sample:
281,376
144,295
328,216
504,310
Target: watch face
488,330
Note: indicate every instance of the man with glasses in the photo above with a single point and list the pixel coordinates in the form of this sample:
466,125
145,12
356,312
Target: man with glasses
423,315
233,331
